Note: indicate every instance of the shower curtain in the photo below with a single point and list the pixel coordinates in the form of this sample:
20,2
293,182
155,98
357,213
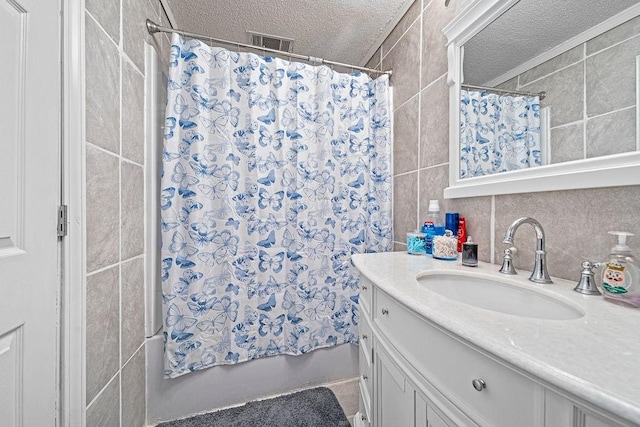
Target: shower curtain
498,133
274,174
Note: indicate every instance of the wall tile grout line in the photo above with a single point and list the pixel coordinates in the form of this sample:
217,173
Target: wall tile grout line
118,156
584,102
94,19
405,103
492,230
107,267
102,390
419,91
581,121
419,145
586,56
120,299
383,54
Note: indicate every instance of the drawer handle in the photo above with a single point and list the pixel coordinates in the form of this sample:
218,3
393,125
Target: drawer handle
479,384
364,377
364,336
385,311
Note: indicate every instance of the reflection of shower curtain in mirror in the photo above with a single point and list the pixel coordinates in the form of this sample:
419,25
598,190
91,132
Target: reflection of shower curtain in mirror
274,173
498,133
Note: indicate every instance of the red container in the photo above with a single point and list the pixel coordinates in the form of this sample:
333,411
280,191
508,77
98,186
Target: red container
462,232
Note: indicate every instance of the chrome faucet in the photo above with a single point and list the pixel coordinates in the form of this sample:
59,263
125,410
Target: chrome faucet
539,273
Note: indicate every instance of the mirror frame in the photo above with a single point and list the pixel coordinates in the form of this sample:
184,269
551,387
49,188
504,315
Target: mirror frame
606,171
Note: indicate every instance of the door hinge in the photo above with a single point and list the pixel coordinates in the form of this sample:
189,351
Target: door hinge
62,220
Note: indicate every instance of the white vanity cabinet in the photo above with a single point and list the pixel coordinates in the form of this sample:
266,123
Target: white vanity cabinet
415,373
389,392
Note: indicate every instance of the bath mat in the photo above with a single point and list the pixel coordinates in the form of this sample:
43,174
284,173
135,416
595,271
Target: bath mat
316,407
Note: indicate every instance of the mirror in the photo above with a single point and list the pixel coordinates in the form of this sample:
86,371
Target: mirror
585,64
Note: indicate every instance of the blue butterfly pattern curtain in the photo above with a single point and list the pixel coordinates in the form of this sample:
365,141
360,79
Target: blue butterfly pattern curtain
274,174
498,133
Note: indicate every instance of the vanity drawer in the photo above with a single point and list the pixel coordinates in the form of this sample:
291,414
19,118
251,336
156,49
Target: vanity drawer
365,368
365,335
366,292
365,406
508,399
366,374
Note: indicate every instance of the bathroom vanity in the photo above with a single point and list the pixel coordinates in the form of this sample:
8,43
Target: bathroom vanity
447,345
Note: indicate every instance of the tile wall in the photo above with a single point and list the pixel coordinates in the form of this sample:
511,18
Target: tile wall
115,159
575,222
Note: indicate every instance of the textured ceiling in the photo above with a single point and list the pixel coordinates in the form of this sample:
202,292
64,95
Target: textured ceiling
345,31
528,29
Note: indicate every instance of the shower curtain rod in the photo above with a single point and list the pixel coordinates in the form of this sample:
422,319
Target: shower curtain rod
153,28
542,95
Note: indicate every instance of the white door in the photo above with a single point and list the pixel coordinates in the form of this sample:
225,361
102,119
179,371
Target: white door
395,395
29,194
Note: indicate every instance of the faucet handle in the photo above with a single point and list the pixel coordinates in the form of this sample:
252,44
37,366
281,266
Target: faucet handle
587,284
507,262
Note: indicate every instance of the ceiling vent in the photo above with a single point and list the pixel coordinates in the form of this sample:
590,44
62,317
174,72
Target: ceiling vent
271,42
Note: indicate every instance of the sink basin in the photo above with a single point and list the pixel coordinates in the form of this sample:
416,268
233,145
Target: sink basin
497,296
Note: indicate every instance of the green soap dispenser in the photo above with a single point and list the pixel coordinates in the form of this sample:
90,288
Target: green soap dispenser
621,276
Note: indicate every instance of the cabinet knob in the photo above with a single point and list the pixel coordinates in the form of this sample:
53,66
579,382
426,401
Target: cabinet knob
364,287
363,417
385,311
364,336
479,384
365,377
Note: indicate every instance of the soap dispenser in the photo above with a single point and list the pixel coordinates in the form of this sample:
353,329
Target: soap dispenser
621,276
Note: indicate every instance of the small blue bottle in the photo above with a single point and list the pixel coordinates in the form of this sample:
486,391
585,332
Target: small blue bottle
452,222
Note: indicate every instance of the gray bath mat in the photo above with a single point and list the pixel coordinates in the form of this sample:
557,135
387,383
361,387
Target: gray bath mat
316,407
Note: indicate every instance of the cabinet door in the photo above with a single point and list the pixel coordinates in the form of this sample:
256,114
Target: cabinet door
399,403
363,417
435,420
421,411
561,411
395,395
426,415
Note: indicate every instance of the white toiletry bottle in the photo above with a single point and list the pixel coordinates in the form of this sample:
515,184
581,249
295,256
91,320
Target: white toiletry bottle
621,276
434,225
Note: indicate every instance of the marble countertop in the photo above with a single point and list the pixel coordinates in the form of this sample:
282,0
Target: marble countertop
595,357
